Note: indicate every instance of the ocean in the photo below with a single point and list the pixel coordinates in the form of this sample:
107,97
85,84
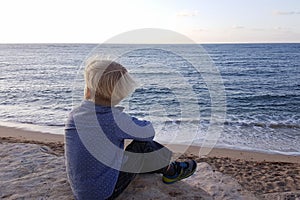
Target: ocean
39,84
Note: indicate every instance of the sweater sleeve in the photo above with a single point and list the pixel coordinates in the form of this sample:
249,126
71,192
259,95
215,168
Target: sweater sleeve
133,128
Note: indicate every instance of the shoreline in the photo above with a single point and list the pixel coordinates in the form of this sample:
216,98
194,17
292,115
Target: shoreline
46,130
18,135
22,134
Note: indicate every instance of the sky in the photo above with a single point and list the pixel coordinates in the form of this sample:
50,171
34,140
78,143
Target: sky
96,21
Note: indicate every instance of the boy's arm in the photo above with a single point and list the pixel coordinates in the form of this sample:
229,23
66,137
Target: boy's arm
133,128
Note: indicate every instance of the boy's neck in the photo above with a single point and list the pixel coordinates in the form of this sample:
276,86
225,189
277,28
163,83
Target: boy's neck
104,102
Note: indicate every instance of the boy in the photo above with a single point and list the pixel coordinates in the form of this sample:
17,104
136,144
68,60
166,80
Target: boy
97,165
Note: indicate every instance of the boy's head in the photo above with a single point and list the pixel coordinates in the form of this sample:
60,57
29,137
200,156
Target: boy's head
106,82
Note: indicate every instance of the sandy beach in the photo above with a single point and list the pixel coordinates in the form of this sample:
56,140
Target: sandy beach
32,167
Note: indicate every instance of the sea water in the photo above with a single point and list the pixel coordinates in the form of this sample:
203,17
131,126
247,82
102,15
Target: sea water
39,84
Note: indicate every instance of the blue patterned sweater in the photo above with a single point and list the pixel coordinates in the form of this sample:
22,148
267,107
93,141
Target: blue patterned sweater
94,143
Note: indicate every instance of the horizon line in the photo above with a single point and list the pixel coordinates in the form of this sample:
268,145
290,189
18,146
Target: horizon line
274,42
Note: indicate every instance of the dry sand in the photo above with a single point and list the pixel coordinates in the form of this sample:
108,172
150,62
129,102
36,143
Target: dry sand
32,167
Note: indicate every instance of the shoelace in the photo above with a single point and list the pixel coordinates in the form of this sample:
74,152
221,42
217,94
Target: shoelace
179,165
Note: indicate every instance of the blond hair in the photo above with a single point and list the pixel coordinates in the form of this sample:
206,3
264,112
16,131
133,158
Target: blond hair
106,82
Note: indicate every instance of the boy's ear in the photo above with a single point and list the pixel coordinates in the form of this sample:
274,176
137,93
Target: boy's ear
87,93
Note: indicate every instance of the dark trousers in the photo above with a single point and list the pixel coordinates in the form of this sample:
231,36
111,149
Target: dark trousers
155,162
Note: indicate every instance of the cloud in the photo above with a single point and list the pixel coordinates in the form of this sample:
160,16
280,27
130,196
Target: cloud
278,12
282,29
278,28
258,29
273,30
237,27
199,30
187,13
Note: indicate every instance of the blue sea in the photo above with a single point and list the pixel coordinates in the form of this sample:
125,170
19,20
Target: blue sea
259,87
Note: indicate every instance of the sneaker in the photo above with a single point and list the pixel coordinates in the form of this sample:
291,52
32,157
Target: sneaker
183,170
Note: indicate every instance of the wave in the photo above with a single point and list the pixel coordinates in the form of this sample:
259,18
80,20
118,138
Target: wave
266,97
263,124
271,125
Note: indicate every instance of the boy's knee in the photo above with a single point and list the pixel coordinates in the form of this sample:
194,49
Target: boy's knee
136,146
